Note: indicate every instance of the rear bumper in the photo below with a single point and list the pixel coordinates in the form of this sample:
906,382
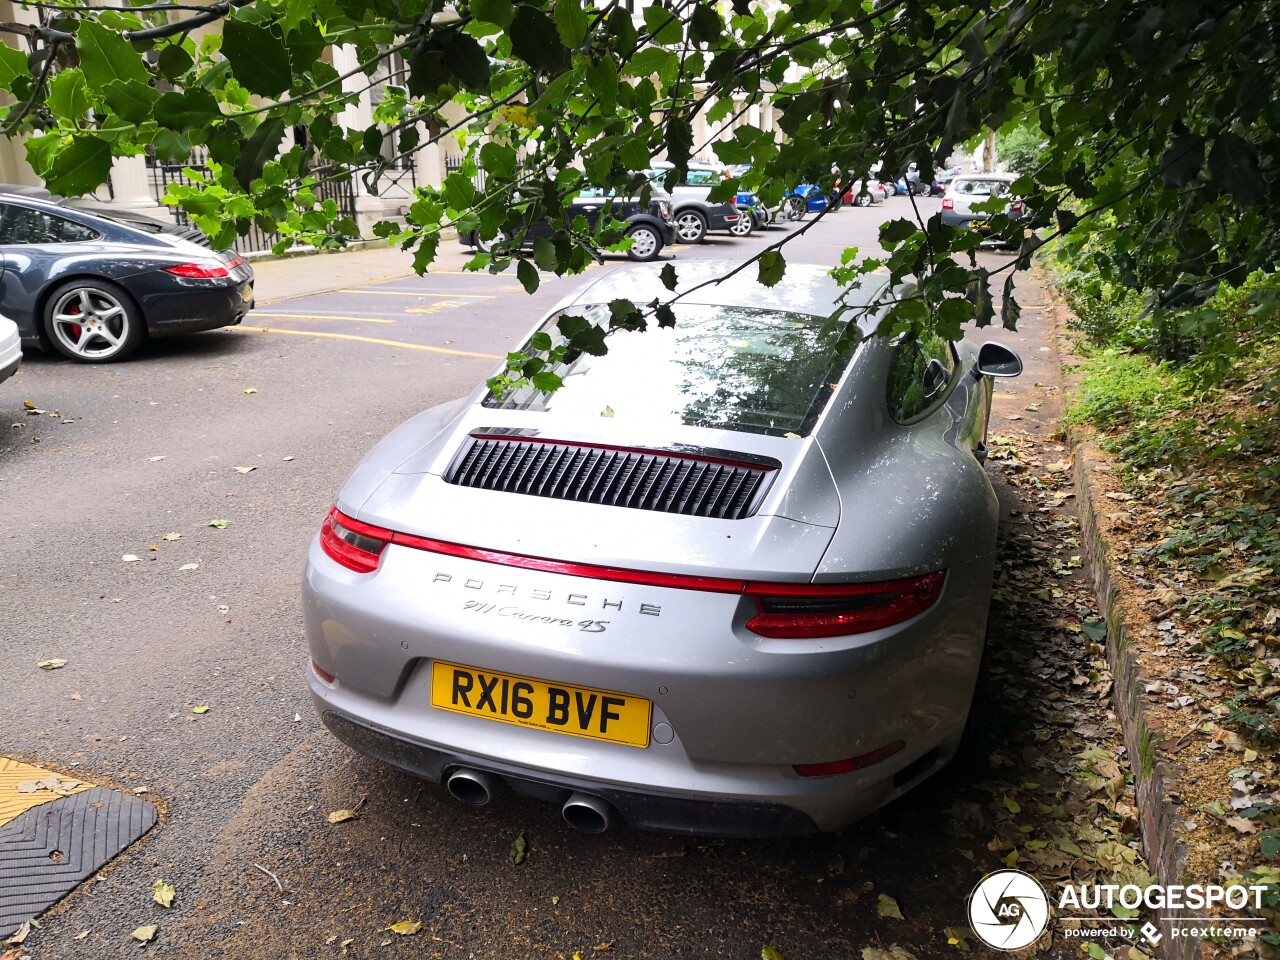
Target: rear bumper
197,308
645,811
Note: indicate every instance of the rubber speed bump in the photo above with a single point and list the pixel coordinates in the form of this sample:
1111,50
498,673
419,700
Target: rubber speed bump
55,833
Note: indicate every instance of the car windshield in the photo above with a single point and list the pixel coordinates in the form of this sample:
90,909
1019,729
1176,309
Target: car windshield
982,188
732,368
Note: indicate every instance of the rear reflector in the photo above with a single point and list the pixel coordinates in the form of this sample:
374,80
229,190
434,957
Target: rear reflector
198,271
850,765
357,546
324,675
809,610
788,611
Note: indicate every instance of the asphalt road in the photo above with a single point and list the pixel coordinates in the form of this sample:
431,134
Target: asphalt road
149,448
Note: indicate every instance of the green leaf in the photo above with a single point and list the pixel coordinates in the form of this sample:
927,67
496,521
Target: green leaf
546,381
769,952
171,145
535,39
705,25
80,167
105,56
13,64
571,23
668,277
259,59
666,316
1233,164
1010,312
540,341
174,61
894,232
493,11
527,274
650,60
772,267
467,61
544,254
519,847
258,149
459,191
498,160
68,95
663,25
130,100
1269,841
602,78
190,110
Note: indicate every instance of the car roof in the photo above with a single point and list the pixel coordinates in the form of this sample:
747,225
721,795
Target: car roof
804,288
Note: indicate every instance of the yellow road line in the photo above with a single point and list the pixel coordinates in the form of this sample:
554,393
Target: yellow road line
407,293
385,343
14,803
315,316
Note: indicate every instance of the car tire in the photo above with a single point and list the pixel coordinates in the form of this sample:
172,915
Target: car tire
744,225
765,217
797,209
691,226
116,326
645,243
862,200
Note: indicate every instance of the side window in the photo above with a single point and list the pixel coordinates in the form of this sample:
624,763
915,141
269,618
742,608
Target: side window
24,225
919,372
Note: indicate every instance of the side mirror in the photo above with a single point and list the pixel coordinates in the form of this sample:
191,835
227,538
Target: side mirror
997,360
935,378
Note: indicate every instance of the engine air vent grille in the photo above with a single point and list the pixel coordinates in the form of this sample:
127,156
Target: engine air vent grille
687,484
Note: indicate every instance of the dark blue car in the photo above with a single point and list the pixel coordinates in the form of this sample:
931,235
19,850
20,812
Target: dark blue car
94,282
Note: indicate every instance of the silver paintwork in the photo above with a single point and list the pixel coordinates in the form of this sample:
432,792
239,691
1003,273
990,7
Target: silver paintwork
861,498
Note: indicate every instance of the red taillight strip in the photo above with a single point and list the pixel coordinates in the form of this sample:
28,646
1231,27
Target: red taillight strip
647,451
546,565
900,599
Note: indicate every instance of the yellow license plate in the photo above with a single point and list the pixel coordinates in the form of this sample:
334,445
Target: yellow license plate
977,225
525,702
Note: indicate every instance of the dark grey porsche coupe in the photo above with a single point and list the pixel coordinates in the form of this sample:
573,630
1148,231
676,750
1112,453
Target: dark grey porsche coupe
93,282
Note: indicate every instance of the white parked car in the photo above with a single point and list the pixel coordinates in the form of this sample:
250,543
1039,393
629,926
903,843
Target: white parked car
10,349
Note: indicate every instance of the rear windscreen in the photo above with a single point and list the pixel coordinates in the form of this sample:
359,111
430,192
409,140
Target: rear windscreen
731,368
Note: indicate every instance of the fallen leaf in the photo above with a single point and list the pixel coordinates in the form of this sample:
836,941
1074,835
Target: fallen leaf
189,566
607,412
603,947
172,536
406,928
894,952
958,937
771,953
145,934
245,469
203,708
286,459
51,664
340,816
886,906
519,849
141,790
19,935
30,406
81,935
130,558
251,390
154,459
162,892
220,524
347,942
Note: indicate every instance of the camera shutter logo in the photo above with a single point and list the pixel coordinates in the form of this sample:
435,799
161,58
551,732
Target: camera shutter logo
1008,910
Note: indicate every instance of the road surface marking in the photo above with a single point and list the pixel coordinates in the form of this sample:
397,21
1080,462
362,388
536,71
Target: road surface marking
13,802
409,293
316,316
385,343
437,307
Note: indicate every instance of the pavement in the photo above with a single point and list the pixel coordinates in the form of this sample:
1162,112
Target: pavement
183,674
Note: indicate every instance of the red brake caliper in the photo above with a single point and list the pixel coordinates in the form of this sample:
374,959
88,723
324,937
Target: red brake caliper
75,327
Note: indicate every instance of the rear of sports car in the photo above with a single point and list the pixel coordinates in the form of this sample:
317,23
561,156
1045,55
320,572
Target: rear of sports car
578,598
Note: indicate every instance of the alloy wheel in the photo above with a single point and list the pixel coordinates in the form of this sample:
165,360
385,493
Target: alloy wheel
690,227
90,323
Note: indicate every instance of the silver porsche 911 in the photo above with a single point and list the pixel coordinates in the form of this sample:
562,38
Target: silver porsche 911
730,579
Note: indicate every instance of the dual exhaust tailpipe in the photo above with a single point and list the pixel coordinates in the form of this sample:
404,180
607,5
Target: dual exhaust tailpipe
582,811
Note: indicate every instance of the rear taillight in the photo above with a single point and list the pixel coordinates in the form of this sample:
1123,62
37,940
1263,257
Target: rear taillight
806,610
850,765
948,203
198,271
236,261
1015,207
357,546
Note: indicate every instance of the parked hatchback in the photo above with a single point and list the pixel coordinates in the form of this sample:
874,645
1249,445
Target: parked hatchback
93,283
964,193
